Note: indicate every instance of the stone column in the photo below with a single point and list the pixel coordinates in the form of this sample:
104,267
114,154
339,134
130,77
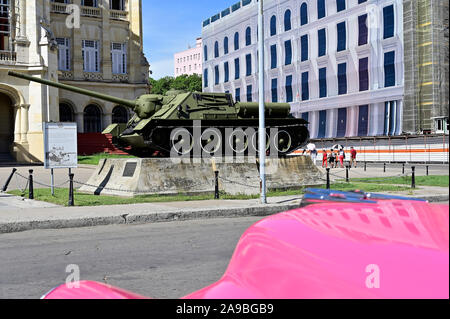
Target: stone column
80,123
106,42
24,123
22,36
17,124
77,50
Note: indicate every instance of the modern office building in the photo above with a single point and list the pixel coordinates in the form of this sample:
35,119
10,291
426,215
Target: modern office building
41,38
339,63
189,61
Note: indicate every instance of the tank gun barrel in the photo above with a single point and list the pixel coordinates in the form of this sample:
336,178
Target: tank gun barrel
124,102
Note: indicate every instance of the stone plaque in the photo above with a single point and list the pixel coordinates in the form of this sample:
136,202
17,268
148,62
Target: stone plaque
129,170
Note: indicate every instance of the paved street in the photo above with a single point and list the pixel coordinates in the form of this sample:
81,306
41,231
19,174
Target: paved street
163,260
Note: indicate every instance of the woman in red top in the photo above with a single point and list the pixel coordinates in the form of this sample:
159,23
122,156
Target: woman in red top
325,159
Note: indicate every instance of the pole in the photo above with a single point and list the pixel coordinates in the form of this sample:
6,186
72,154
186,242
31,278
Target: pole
71,199
52,184
328,178
262,120
216,183
5,187
30,185
346,174
403,168
413,177
428,172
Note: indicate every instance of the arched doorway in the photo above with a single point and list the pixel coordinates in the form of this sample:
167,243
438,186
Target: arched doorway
66,113
92,119
6,126
119,115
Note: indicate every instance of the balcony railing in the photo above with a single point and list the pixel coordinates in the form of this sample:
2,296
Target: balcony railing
91,12
8,57
59,7
118,15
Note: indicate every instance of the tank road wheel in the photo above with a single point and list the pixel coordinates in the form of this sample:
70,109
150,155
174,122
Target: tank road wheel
211,141
238,141
255,141
181,141
282,142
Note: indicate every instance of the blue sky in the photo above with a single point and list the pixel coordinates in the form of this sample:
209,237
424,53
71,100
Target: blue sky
171,25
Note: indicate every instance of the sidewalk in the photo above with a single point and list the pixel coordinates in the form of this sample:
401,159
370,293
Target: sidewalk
21,215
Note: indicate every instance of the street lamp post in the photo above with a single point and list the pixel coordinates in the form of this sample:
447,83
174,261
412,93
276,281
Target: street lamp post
262,121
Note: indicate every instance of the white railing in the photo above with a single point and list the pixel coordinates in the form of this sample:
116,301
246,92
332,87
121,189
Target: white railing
91,12
66,75
59,7
118,15
7,57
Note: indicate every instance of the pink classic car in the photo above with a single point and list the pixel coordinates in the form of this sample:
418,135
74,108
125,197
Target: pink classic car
337,245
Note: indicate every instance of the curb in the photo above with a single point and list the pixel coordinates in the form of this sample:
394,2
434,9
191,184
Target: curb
144,218
168,216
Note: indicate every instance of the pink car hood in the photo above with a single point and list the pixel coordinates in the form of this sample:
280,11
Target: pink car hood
391,249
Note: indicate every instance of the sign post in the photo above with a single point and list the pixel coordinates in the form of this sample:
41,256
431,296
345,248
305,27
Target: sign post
60,148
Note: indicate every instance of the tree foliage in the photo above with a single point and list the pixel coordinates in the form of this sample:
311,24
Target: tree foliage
185,82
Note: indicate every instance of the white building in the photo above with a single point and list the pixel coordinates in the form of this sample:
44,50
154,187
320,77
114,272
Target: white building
189,61
339,63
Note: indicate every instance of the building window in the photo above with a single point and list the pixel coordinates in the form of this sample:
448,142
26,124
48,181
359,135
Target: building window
216,49
205,78
364,74
63,54
363,31
66,113
119,58
216,75
388,21
389,69
322,124
205,52
92,119
273,25
322,42
363,120
119,115
226,72
342,78
248,36
117,5
89,3
322,82
273,56
340,5
288,52
225,45
237,97
342,122
236,41
441,125
249,93
90,54
287,20
5,26
289,93
236,69
361,1
342,37
248,64
304,47
304,13
305,86
320,9
274,90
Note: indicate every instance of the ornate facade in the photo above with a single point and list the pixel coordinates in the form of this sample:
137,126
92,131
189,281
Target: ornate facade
101,51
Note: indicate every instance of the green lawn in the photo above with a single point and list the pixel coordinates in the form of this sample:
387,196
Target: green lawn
432,180
62,195
94,159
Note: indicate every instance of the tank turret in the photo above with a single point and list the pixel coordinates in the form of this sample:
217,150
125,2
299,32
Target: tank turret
203,117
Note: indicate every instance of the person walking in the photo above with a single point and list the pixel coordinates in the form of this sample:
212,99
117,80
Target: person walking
341,157
325,159
331,159
314,156
352,156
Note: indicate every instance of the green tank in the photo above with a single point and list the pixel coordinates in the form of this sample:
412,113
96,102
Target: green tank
194,122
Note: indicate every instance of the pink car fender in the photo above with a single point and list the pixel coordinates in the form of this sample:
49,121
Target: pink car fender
390,249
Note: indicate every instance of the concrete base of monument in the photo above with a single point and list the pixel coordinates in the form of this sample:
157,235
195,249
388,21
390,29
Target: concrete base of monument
166,176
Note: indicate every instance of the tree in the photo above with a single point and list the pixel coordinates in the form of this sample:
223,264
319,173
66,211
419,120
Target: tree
185,82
